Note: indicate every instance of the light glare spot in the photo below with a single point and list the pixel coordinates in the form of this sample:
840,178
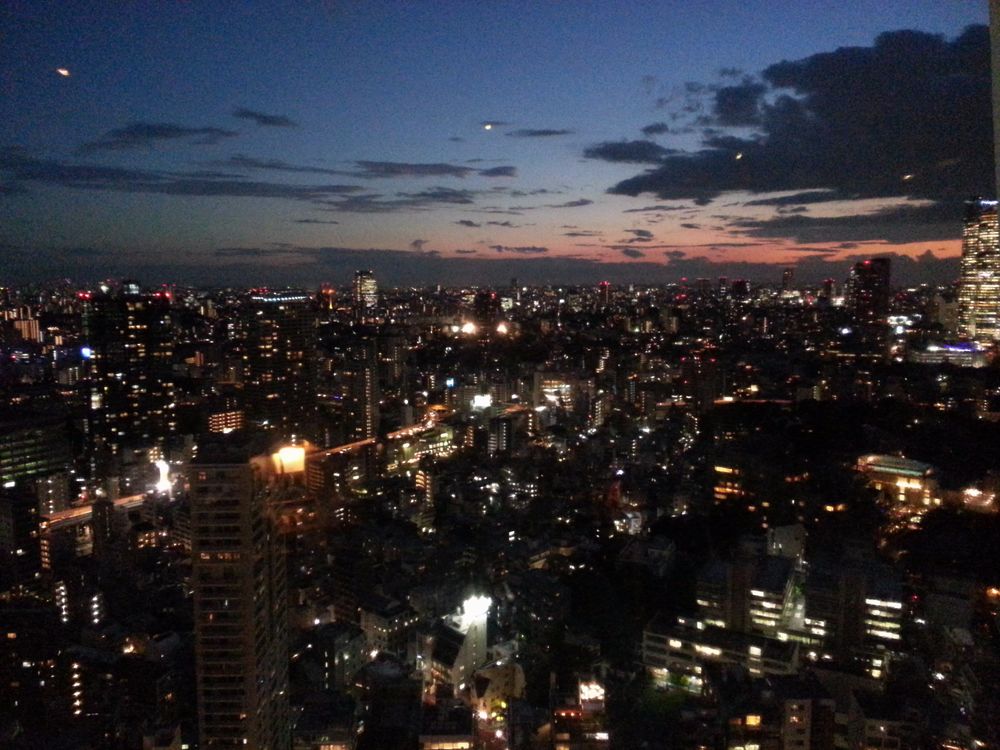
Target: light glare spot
64,72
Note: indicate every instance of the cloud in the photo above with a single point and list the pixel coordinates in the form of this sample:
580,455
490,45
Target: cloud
898,224
631,252
583,233
908,116
580,202
371,203
740,104
809,196
239,161
498,172
654,209
22,168
503,224
316,221
521,250
631,152
145,135
541,133
466,251
640,235
368,169
656,128
418,245
405,169
380,169
256,252
689,225
264,120
467,223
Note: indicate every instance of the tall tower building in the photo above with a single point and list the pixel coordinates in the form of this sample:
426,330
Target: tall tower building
787,279
362,390
868,295
129,348
979,289
365,295
279,362
240,600
995,65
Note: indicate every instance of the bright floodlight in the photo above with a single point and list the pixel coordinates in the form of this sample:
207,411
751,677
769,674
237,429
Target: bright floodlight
469,327
502,328
290,459
476,607
163,483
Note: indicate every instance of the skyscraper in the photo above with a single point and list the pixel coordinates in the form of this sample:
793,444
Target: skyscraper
129,349
240,602
868,291
279,362
979,291
362,390
365,295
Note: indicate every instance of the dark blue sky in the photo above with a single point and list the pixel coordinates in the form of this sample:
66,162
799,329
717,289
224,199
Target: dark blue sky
193,139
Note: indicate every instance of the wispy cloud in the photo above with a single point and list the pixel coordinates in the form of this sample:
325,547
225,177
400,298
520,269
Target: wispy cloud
264,120
520,250
146,135
538,133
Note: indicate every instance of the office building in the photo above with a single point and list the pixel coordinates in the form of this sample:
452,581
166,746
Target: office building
868,291
365,295
279,363
240,599
979,289
33,446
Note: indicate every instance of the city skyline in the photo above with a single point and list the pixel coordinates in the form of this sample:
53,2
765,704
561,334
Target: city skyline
644,143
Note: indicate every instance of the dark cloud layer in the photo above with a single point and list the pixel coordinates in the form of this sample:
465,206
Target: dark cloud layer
656,128
145,135
23,169
264,120
908,116
408,169
498,172
739,105
896,225
538,133
630,152
520,250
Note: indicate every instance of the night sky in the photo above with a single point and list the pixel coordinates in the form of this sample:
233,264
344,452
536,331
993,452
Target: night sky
472,142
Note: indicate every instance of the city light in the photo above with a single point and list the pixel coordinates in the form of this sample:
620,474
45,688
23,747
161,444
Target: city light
290,459
476,607
163,483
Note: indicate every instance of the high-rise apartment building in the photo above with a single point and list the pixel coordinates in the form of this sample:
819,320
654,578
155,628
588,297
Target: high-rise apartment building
240,605
365,294
979,291
279,362
129,349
